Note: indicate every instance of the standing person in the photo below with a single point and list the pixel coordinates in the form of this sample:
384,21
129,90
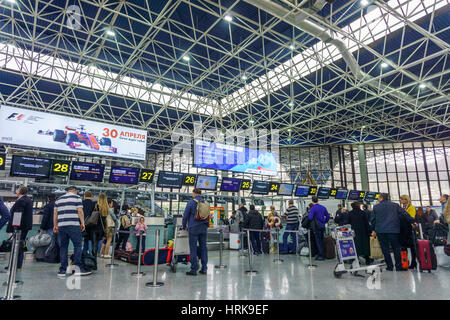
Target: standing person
88,208
359,221
140,228
241,214
254,220
125,225
338,210
197,230
47,212
109,224
103,207
4,213
406,238
68,223
428,220
341,217
406,204
25,205
292,222
420,213
386,225
443,200
367,210
319,216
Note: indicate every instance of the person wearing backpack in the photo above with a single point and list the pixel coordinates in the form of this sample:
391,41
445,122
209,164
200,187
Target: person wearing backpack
254,220
196,218
125,225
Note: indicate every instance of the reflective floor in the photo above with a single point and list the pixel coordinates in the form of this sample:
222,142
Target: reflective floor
288,280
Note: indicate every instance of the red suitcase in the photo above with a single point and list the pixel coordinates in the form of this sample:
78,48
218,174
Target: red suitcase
426,255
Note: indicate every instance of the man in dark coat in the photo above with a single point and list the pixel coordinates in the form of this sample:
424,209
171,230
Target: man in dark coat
47,215
406,238
254,220
25,205
359,221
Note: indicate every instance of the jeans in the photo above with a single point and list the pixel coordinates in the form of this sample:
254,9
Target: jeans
198,234
386,240
123,238
292,247
137,245
255,241
23,236
318,236
65,234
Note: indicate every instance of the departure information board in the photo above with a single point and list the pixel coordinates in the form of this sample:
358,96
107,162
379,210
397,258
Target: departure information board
168,179
87,171
123,175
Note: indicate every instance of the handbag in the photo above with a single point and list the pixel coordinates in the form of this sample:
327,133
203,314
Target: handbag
110,222
306,223
6,245
92,220
375,249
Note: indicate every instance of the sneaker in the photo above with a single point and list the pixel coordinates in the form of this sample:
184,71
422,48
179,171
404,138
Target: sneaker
107,256
319,259
61,274
191,273
83,272
203,272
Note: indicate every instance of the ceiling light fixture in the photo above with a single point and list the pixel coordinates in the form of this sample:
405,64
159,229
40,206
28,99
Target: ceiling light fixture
244,77
251,121
186,58
292,47
364,3
422,86
228,18
111,33
384,65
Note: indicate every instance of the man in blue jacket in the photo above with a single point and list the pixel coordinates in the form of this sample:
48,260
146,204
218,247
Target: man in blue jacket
386,223
197,230
320,214
4,214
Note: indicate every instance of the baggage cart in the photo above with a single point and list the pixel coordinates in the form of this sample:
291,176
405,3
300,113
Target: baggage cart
181,251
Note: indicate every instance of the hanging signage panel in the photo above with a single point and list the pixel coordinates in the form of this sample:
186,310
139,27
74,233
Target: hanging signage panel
50,131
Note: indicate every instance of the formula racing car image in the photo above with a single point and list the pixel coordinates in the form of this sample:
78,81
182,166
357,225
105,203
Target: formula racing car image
80,139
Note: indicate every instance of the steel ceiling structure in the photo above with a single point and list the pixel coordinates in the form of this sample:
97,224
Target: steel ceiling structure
320,72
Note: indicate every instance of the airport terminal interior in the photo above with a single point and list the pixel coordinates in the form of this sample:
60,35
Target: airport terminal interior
327,120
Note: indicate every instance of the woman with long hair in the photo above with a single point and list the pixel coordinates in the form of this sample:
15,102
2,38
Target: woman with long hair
108,220
406,204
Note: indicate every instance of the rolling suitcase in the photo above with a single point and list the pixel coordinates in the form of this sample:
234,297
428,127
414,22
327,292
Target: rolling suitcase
330,248
265,242
425,253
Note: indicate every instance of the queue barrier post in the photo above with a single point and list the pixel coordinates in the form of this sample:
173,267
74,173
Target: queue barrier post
111,264
9,294
310,265
241,251
250,256
220,266
155,283
278,260
139,273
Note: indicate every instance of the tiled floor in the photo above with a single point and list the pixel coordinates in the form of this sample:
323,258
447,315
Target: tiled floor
288,280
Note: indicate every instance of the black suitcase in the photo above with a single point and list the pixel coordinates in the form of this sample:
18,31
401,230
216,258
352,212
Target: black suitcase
52,251
265,242
39,253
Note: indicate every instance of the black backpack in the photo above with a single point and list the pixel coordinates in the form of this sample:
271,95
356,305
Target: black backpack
6,245
52,252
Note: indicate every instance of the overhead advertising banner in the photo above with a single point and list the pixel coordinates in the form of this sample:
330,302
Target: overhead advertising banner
218,156
50,131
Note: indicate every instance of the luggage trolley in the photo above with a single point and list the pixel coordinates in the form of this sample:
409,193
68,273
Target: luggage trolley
346,250
180,248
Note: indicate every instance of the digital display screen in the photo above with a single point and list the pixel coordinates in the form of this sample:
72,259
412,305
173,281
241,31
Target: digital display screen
312,191
258,202
220,200
146,175
123,175
168,179
261,187
2,161
285,189
333,192
274,186
60,168
230,184
302,191
87,171
161,196
245,184
30,167
341,194
206,182
185,197
323,193
371,196
356,195
219,156
189,179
